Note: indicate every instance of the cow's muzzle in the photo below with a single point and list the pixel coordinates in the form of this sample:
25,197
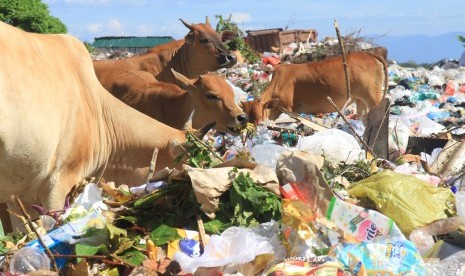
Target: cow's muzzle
241,122
227,60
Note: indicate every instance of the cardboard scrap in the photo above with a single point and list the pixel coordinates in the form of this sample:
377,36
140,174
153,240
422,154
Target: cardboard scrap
376,133
451,160
210,184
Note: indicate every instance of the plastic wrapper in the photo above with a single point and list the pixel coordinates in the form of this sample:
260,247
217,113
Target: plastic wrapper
409,201
361,223
300,235
380,256
189,244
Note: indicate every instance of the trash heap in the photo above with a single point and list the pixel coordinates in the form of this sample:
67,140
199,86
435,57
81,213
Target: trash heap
301,195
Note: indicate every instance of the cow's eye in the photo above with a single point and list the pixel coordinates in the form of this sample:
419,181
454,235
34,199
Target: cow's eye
204,40
213,97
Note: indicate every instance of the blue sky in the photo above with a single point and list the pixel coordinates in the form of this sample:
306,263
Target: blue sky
87,19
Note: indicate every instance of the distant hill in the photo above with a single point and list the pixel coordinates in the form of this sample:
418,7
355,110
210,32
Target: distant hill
422,48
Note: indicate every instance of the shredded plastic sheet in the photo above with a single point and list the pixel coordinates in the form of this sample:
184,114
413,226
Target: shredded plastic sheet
380,256
409,201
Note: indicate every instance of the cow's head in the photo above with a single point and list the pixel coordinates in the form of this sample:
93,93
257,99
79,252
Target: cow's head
213,99
206,45
258,110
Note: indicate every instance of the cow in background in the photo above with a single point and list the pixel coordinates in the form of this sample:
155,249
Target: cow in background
304,88
58,124
202,51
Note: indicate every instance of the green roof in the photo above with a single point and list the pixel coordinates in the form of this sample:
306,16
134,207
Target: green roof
130,41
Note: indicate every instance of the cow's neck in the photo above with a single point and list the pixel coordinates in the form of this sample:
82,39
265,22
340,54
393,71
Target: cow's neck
173,106
183,63
132,138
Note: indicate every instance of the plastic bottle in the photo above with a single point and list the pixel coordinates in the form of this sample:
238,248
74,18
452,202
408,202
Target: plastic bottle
29,259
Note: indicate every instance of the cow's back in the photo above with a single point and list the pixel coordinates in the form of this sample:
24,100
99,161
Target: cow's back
314,82
43,84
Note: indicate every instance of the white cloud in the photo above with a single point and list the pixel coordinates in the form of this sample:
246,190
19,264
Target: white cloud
239,17
94,28
114,25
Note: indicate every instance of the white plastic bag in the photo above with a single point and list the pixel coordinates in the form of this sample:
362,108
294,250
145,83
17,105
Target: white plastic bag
236,245
267,154
335,144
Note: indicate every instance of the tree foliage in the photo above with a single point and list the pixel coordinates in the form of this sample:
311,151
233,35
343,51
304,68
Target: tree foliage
237,43
30,15
461,38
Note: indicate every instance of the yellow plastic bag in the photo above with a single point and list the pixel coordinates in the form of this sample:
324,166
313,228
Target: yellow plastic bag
409,201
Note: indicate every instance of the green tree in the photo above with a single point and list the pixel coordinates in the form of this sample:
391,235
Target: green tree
461,38
237,43
30,15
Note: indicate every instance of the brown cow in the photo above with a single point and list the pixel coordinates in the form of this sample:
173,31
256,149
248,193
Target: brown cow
304,88
209,95
58,124
201,52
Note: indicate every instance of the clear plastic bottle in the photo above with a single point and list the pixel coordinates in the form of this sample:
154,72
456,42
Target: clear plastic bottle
29,259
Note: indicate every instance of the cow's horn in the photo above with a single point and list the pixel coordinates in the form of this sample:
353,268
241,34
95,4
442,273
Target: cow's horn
207,20
187,24
188,124
201,132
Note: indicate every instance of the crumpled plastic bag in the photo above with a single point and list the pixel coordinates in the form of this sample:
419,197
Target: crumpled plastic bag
409,201
337,145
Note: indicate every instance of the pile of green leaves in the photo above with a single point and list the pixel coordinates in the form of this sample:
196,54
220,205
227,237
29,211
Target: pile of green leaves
245,204
9,241
197,154
354,172
237,43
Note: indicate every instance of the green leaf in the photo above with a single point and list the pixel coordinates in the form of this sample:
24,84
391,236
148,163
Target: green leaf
114,231
110,272
89,250
217,225
123,246
126,220
148,200
133,256
164,234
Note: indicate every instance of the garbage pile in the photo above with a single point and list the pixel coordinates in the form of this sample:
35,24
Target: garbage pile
301,195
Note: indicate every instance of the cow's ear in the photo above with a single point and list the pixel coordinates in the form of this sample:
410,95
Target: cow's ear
241,104
271,103
181,80
227,36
